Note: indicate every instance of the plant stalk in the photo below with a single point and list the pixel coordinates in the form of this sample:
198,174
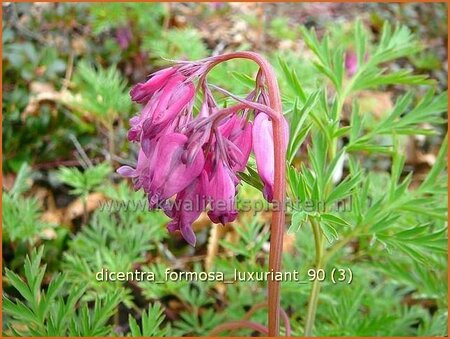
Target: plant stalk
314,296
278,213
236,325
319,240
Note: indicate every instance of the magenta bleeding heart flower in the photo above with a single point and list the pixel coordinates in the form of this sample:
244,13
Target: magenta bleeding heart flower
263,141
189,159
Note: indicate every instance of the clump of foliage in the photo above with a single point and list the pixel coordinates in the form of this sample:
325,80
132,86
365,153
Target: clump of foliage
50,312
21,214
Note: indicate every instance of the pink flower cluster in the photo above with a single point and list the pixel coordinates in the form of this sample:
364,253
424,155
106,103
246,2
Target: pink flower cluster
196,157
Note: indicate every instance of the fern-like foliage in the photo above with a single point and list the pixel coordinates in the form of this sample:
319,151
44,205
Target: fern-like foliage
102,93
51,312
21,215
151,323
83,183
172,45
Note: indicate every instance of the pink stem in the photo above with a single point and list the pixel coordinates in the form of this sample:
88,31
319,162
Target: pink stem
236,325
259,306
278,215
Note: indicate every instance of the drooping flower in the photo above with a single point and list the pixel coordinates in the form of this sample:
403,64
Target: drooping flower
196,157
169,100
188,206
170,173
238,137
142,92
263,147
221,193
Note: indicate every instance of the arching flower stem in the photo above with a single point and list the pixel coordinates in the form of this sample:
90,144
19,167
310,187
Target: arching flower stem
237,325
278,214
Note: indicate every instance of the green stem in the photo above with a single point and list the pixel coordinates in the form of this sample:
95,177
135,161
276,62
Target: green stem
317,238
314,296
321,258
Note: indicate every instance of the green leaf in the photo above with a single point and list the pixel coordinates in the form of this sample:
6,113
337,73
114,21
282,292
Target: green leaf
303,191
438,167
370,148
333,219
338,67
252,178
329,232
298,131
152,321
21,183
298,219
356,122
339,133
19,285
344,189
134,328
292,80
417,242
380,78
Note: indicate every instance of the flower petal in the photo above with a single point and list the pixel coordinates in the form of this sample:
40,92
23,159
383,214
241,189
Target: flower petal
127,171
263,147
142,92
